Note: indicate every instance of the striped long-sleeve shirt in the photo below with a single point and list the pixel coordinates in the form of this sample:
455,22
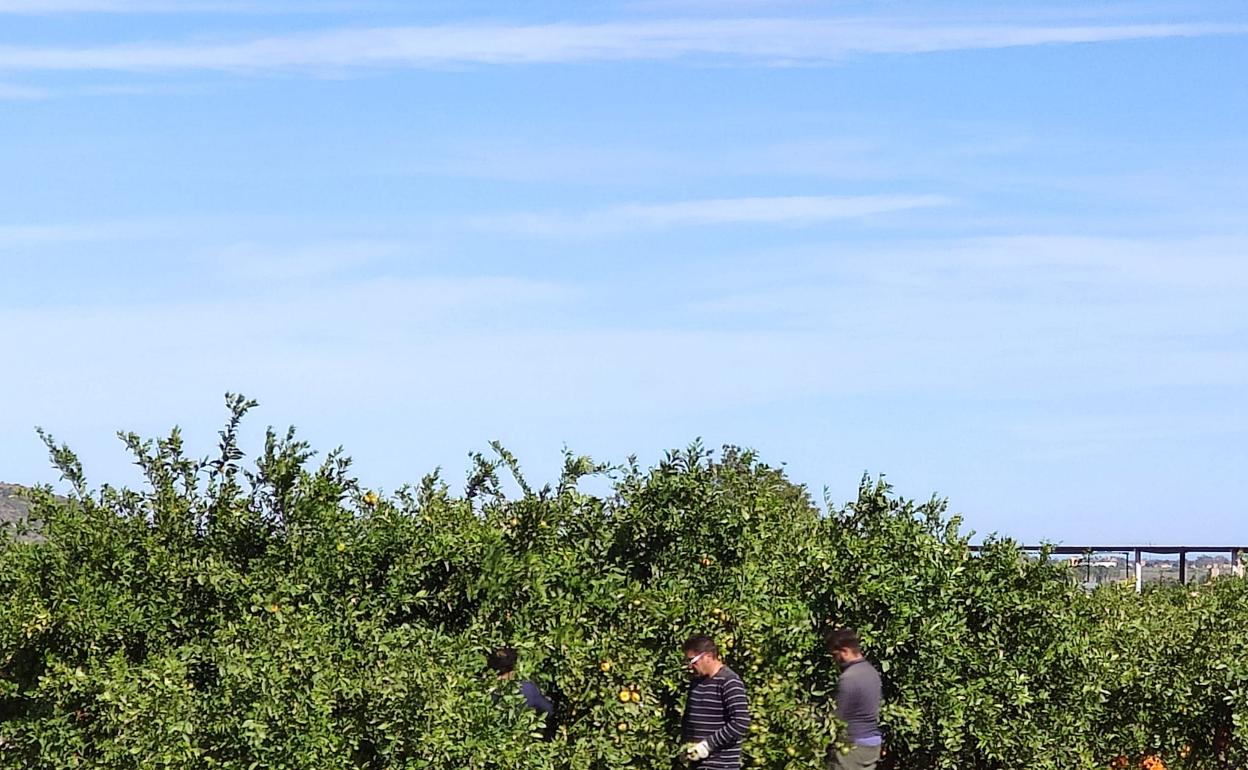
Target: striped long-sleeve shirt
717,711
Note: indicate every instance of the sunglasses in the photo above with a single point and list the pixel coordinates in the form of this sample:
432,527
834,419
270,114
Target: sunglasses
694,659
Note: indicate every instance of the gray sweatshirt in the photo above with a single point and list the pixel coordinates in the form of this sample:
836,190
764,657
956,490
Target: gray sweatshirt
858,702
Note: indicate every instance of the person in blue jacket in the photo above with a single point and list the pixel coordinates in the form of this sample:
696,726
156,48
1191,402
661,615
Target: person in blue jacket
502,661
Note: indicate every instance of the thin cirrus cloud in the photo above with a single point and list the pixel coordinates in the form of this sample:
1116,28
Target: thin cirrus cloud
35,235
797,210
20,92
767,41
50,7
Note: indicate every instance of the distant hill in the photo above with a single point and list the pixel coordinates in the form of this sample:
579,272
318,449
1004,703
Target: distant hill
12,507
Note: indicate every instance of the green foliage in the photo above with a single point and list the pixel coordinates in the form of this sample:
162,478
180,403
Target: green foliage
279,616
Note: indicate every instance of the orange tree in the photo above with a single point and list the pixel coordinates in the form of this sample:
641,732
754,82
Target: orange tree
278,615
1174,665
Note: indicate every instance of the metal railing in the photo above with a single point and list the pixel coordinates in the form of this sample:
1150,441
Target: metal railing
1235,552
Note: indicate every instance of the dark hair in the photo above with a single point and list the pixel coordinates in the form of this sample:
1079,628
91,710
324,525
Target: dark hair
502,660
701,643
842,639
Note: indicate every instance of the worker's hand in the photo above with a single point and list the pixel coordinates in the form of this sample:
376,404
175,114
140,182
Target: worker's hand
696,751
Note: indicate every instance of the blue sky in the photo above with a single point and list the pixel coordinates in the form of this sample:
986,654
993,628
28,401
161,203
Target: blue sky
994,251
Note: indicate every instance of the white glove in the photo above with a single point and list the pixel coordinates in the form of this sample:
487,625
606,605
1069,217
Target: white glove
696,751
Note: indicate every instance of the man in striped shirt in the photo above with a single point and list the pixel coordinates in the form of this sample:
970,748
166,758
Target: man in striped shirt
717,711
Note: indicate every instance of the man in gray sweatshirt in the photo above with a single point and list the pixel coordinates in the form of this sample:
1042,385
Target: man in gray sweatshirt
858,693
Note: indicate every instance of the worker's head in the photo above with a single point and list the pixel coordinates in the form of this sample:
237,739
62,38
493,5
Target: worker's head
844,645
502,660
701,655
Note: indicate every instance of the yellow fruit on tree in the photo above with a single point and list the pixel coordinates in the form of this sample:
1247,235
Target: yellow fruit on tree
625,696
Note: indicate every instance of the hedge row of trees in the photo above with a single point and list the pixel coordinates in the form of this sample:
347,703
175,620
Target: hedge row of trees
277,615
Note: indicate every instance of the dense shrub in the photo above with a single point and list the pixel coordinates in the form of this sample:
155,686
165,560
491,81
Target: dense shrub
280,616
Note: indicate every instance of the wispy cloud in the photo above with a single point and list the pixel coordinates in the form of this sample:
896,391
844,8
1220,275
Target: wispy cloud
781,210
8,91
1132,286
513,159
1085,431
1206,263
50,7
46,7
339,335
1029,315
767,41
718,6
28,235
251,261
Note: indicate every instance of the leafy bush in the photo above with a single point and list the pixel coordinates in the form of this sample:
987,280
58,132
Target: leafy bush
280,616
